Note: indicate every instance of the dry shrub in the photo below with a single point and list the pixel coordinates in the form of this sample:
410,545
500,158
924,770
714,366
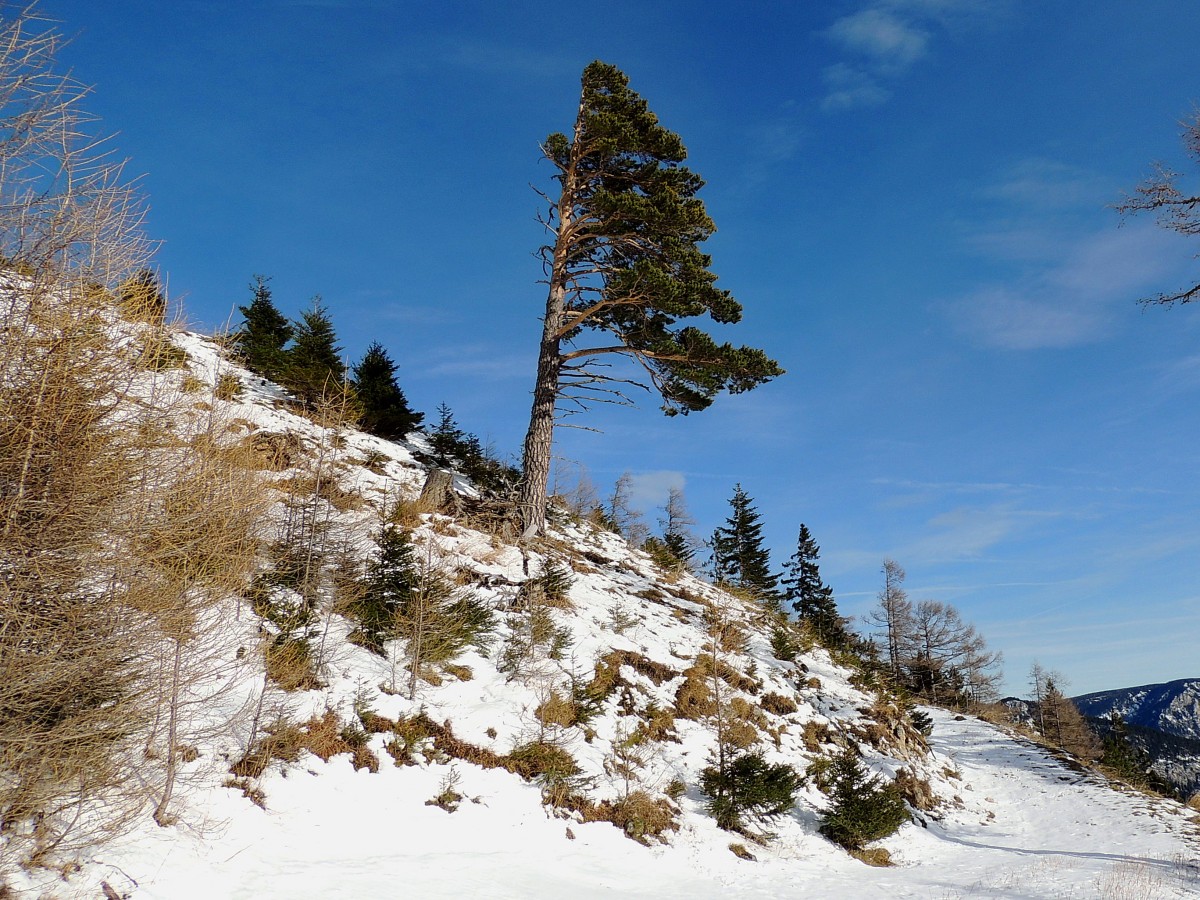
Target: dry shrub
283,741
290,665
778,704
228,387
608,670
375,723
814,683
740,851
815,735
406,513
325,487
324,736
409,736
640,816
742,724
249,790
694,698
917,791
275,451
730,636
557,710
657,723
873,856
541,759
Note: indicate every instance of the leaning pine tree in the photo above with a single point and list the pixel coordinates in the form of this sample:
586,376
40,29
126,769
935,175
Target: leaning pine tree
625,262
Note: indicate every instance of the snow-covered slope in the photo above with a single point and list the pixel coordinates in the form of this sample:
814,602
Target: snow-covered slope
1173,707
1001,817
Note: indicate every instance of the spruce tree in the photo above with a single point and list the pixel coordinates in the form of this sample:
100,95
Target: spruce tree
811,598
863,809
385,410
1127,762
738,555
314,362
264,333
390,584
625,264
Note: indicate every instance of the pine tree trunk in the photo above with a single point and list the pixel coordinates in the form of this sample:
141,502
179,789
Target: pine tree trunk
539,441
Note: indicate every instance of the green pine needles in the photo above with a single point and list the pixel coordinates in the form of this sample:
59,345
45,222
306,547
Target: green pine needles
864,808
748,785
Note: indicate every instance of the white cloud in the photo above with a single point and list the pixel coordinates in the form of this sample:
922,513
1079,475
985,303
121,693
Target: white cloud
649,489
885,38
1073,300
891,42
851,88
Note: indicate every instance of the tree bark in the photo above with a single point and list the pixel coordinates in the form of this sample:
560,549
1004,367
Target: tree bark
539,440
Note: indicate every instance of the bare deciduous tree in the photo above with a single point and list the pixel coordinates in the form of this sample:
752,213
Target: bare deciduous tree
1175,209
893,616
70,685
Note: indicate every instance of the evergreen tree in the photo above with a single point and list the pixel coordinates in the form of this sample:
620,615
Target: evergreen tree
389,586
748,785
1127,762
454,448
864,808
385,410
811,598
625,262
314,362
738,555
265,332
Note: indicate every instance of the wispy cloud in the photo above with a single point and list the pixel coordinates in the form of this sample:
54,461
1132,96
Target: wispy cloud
888,38
478,360
1072,301
850,88
884,39
772,143
650,489
1042,183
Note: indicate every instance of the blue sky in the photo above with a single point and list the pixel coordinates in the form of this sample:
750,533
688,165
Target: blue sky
913,200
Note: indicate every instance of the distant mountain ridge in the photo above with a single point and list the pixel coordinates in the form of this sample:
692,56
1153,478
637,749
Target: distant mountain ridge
1163,721
1172,707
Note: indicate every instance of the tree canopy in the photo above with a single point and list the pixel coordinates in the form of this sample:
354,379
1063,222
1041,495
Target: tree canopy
625,263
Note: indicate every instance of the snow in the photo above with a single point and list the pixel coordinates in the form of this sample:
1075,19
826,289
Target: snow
1012,821
1028,826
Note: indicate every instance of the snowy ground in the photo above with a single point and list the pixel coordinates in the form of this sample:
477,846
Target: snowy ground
1012,822
1028,827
